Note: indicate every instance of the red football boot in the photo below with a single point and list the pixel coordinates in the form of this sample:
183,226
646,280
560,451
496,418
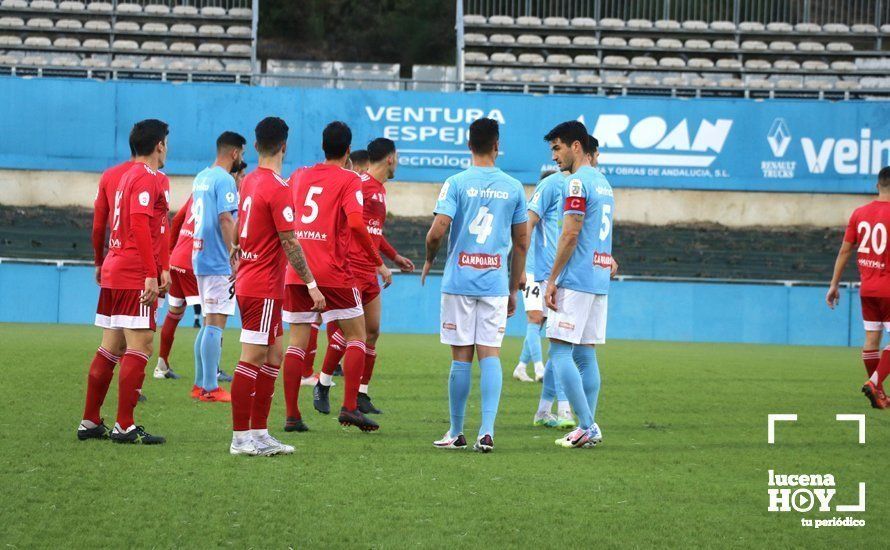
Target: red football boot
876,396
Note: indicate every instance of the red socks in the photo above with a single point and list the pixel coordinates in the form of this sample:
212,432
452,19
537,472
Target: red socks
293,371
98,381
243,384
870,358
130,380
262,397
168,332
353,367
309,361
370,358
335,351
883,368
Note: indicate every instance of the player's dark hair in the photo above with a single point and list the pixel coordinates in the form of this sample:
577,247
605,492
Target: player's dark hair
546,173
884,177
238,167
145,136
335,140
359,156
230,139
380,148
593,144
484,133
271,135
569,132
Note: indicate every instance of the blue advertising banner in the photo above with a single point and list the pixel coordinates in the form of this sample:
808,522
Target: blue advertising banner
719,144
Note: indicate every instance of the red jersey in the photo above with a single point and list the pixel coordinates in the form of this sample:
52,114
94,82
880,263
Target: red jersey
104,204
182,252
324,196
374,212
141,191
162,224
265,209
868,229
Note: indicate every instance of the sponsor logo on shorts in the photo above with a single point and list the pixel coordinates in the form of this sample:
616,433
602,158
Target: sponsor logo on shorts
502,330
566,325
449,326
479,260
212,301
602,259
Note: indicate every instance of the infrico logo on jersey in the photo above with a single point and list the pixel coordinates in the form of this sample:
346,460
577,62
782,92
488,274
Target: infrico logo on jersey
472,192
661,149
479,261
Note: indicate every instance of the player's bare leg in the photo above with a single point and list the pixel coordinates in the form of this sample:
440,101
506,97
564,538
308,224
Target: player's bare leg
353,367
168,333
871,357
140,344
372,333
459,382
211,350
299,338
99,379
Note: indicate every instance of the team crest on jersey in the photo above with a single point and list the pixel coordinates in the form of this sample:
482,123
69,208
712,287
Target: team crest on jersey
478,260
602,259
144,198
444,192
167,197
575,188
288,214
359,197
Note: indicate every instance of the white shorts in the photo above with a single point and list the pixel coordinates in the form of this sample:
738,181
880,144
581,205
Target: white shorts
533,295
470,320
217,294
580,317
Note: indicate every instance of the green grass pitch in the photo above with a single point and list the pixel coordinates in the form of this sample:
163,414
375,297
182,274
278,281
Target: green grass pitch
684,461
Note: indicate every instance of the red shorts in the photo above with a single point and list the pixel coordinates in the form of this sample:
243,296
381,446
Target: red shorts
875,312
120,308
260,320
183,287
340,303
369,290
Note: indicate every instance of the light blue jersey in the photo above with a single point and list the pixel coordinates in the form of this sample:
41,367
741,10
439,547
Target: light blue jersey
484,204
588,193
213,192
547,204
530,257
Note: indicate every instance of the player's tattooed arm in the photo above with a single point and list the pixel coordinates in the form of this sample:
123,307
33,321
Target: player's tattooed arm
295,256
434,238
565,247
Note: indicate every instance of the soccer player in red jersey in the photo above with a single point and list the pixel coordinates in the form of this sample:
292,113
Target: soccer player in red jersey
138,255
328,216
868,233
265,243
383,161
359,161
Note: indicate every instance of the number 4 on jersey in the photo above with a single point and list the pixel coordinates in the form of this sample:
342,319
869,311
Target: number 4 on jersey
481,226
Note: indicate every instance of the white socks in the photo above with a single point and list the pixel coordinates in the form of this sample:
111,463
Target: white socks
544,407
325,379
563,408
363,388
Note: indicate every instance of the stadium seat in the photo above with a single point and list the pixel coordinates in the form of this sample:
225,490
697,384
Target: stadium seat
667,25
502,39
156,9
751,26
835,28
126,26
843,66
531,58
40,23
672,62
782,46
123,63
501,20
589,79
241,49
210,66
532,77
807,27
528,21
475,57
864,28
157,28
38,42
125,45
759,84
531,39
645,80
694,25
100,7
757,64
788,83
583,40
617,79
154,46
179,65
612,23
808,46
641,43
673,81
728,63
779,26
846,85
97,25
722,26
839,47
555,40
14,4
153,64
128,7
696,44
754,45
71,5
12,22
583,22
885,28
503,75
8,40
643,61
613,42
587,60
475,38
94,62
556,22
474,19
237,66
475,75
183,28
69,24
239,30
8,60
871,82
64,61
703,82
814,65
669,43
615,61
182,47
185,10
559,59
639,24
43,5
95,44
725,45
66,43
33,59
213,11
731,83
559,78
503,57
786,65
211,30
700,63
819,84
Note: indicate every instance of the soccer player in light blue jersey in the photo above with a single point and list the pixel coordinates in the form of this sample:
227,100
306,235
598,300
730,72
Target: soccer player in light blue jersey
214,205
485,211
578,285
533,301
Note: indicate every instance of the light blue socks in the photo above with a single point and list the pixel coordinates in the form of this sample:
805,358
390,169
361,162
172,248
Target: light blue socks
490,382
570,379
211,350
585,358
458,393
199,369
